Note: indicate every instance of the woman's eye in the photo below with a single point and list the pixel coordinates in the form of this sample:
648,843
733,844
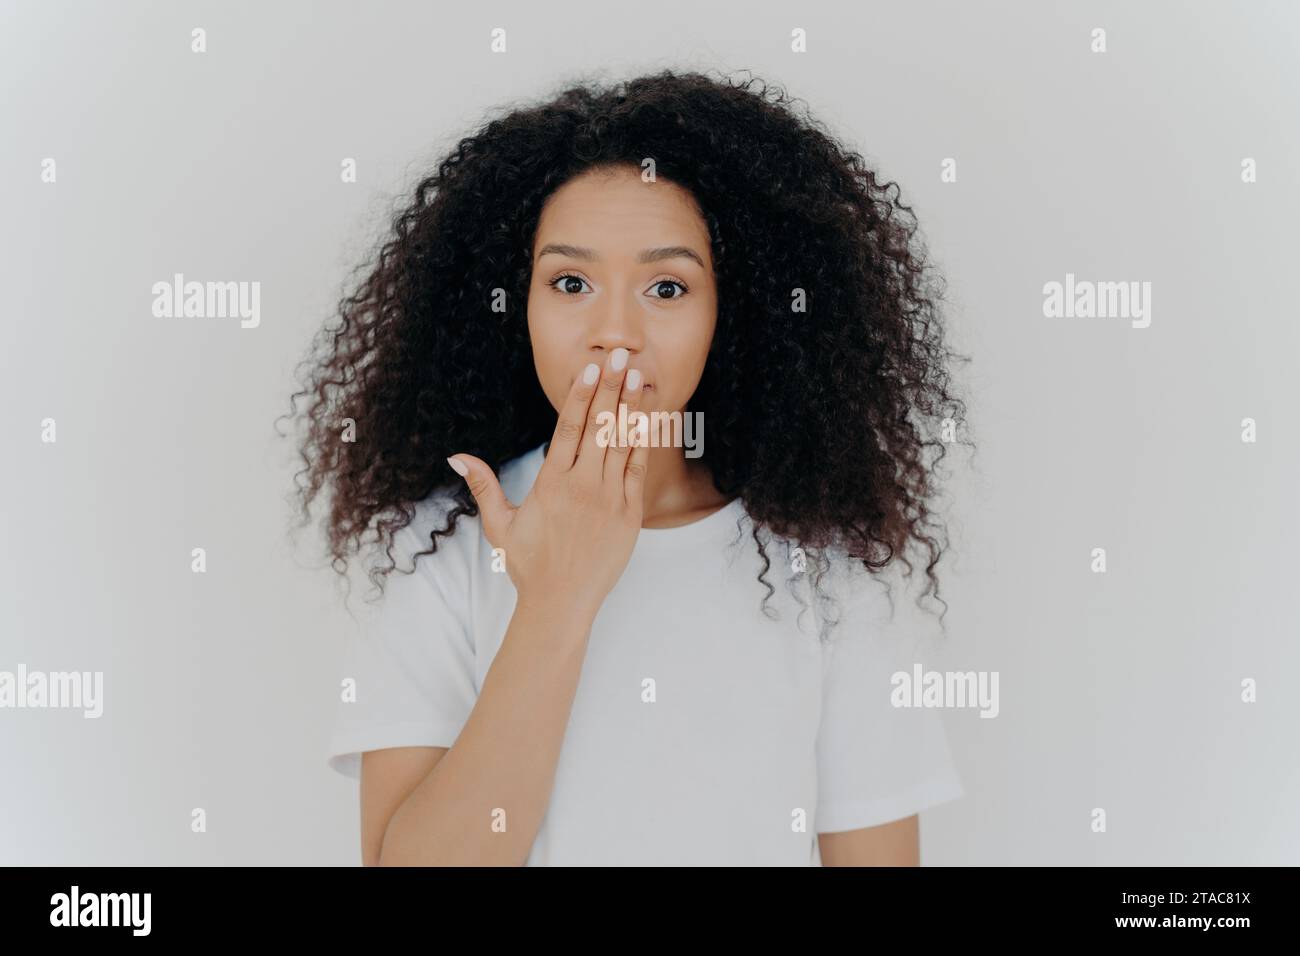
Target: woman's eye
663,289
572,285
567,284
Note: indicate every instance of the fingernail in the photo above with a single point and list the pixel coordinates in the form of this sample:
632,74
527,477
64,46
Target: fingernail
457,467
590,374
618,360
633,380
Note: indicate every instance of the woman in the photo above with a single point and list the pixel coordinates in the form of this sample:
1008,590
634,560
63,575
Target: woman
588,663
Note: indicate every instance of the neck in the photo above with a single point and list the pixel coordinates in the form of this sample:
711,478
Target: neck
677,487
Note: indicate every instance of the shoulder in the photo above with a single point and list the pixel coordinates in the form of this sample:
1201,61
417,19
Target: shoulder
848,596
464,545
432,514
518,474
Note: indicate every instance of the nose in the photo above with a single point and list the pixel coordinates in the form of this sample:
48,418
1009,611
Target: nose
619,325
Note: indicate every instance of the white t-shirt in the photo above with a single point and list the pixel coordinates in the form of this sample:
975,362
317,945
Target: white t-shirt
702,732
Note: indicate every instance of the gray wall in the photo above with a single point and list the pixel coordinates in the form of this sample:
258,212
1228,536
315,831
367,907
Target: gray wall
1119,691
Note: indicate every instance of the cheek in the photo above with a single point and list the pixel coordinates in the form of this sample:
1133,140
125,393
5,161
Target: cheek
689,347
681,363
552,357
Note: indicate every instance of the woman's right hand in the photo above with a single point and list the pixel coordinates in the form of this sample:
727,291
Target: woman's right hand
573,535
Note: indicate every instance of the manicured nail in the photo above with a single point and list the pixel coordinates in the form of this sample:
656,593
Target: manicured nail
457,467
590,374
618,360
633,380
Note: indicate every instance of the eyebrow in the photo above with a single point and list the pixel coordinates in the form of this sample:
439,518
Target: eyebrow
645,255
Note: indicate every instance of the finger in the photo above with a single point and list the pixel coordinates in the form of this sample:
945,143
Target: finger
495,510
617,453
591,452
638,464
573,418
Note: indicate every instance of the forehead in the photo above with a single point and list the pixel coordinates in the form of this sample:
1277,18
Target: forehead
613,210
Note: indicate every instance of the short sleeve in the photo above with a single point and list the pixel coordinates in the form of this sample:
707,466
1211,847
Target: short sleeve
411,660
876,762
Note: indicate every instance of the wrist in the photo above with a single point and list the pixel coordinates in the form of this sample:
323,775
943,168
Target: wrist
558,610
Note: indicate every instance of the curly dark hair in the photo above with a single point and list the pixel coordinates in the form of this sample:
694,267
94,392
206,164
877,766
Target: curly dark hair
818,418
